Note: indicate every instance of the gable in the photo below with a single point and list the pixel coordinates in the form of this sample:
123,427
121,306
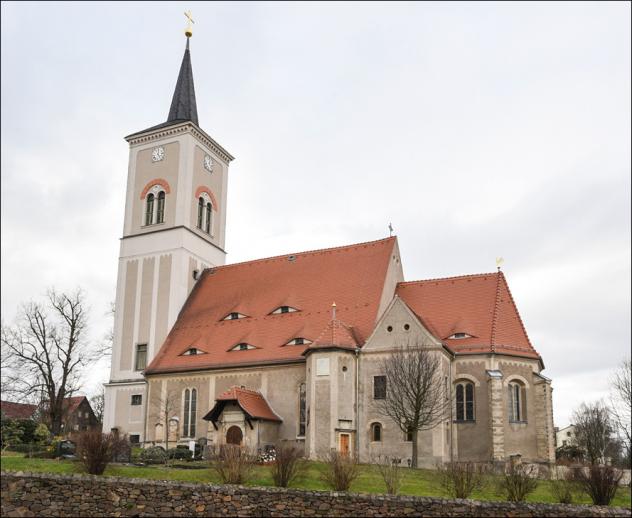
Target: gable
399,326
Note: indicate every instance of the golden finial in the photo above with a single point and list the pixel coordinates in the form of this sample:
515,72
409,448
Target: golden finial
499,262
189,30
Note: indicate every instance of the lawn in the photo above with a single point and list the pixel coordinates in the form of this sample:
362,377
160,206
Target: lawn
415,482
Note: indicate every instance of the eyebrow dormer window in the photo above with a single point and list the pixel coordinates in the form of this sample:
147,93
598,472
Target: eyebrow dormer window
192,352
243,347
299,341
234,316
457,336
284,309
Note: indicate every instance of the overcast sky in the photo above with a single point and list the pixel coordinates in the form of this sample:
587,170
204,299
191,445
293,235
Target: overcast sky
478,130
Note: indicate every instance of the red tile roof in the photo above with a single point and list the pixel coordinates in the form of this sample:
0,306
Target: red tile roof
336,335
353,276
478,305
13,410
251,402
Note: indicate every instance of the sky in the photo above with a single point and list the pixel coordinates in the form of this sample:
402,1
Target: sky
478,130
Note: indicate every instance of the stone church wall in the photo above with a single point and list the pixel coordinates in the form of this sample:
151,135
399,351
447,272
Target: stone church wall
279,385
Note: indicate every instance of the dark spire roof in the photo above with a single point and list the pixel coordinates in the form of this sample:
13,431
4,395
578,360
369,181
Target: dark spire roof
183,106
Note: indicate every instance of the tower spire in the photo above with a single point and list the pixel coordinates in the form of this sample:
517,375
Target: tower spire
183,105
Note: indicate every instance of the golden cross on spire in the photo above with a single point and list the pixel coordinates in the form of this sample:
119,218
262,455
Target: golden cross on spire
189,30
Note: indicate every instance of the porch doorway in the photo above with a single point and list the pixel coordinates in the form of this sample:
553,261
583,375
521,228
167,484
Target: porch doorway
234,435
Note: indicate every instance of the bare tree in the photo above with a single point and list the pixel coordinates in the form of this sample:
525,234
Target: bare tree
166,407
97,402
415,396
47,351
621,402
594,429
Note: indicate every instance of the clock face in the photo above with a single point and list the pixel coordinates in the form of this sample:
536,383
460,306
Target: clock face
158,154
208,164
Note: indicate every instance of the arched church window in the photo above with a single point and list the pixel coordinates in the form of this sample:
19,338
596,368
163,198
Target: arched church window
200,212
209,211
376,432
465,401
517,402
190,411
302,405
160,212
149,210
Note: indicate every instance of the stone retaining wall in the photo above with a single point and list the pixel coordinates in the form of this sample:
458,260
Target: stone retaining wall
44,494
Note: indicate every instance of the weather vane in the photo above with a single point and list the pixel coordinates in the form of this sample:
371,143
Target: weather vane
189,30
390,230
499,262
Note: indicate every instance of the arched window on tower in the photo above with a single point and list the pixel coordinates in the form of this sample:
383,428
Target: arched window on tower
465,401
200,212
160,212
209,211
149,210
190,411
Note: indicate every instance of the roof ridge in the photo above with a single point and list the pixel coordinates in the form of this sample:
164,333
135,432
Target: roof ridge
513,303
305,252
495,315
456,277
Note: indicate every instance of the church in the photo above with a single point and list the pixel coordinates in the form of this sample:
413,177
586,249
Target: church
290,348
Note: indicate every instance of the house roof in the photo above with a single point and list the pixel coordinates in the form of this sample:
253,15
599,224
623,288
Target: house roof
479,305
13,410
250,401
72,403
352,276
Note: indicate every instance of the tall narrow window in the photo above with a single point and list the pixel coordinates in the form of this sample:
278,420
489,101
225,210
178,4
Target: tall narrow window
190,413
149,211
141,356
516,400
459,402
209,211
379,387
187,400
301,410
160,212
200,213
193,412
465,401
469,402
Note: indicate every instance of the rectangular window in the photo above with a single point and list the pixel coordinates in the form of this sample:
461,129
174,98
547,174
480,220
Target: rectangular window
379,387
134,438
322,367
409,437
137,399
141,356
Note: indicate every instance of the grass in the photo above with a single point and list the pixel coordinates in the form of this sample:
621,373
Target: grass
415,482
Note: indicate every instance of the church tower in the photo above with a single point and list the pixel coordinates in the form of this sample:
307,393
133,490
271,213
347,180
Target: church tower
175,219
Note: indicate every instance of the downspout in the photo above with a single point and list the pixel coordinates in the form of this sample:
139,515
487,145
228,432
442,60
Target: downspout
357,405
